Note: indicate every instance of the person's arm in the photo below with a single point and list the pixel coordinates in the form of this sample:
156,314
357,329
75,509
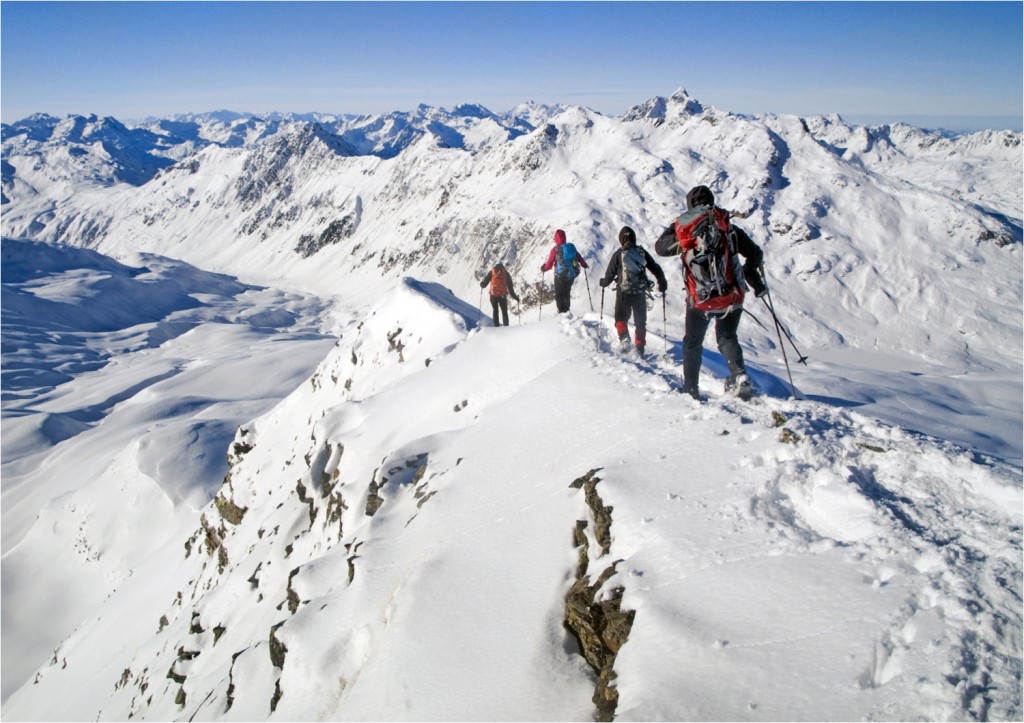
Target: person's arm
551,260
747,248
511,288
486,280
754,257
583,262
657,271
667,244
612,272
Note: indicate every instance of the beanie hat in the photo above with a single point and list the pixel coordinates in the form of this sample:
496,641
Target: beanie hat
559,237
700,196
627,236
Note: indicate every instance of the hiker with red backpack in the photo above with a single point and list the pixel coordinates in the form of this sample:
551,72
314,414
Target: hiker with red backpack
567,263
716,282
628,269
500,282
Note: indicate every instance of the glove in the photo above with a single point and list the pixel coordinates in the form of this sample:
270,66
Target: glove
755,280
515,298
663,286
542,269
604,282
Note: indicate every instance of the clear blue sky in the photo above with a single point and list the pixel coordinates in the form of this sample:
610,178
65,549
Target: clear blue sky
870,62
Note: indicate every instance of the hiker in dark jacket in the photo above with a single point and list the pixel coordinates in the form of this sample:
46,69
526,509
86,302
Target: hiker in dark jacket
725,305
500,282
563,279
628,269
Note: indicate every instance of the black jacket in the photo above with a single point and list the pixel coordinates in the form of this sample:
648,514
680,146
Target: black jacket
668,245
615,268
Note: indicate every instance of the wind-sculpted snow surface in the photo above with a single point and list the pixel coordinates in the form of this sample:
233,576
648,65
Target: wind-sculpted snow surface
396,541
123,384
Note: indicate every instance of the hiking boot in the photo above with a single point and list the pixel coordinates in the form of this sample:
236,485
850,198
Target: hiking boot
640,350
623,344
692,391
739,384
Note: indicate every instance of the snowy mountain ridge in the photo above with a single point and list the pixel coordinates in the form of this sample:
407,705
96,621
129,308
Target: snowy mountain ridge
424,517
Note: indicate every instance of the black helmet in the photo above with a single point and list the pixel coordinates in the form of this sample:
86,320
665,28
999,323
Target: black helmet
700,196
627,236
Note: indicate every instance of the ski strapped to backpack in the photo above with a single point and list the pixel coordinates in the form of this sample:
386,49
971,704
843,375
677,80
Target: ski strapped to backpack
713,269
568,262
633,278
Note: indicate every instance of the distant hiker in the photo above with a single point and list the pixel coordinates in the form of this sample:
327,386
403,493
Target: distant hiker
501,288
716,282
628,269
567,262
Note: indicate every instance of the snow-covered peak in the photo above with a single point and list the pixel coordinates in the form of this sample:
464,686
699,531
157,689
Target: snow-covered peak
678,106
686,102
472,110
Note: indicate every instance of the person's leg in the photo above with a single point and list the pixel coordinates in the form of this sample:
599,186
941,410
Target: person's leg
640,322
563,288
726,328
494,309
693,348
622,311
503,302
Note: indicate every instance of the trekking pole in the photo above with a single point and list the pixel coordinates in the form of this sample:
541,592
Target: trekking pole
586,278
600,320
760,323
771,308
480,303
540,300
664,321
782,347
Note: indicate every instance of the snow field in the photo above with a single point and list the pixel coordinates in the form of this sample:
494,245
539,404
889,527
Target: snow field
848,575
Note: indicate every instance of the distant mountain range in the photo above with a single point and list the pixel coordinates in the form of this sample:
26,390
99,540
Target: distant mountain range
875,219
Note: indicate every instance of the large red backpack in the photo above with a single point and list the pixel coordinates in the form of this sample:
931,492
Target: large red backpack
713,270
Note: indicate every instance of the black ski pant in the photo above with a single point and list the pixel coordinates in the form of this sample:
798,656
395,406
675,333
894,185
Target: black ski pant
563,289
634,305
499,302
697,323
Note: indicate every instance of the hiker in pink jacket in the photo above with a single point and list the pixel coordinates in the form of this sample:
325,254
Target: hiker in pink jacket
567,263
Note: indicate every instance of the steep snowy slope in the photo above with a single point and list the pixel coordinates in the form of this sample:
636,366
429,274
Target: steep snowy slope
407,534
123,384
